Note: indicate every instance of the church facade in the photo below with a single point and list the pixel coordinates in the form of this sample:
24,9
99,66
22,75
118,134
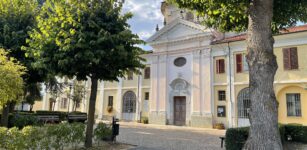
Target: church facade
196,76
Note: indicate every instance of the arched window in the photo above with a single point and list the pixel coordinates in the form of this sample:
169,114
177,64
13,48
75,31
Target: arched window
243,103
129,102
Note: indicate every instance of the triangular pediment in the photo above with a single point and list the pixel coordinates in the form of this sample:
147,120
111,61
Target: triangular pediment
176,30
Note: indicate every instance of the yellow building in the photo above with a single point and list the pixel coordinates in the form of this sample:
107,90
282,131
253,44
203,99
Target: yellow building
290,83
196,76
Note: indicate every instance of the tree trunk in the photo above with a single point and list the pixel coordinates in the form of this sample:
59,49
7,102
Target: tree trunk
5,116
91,114
31,108
264,133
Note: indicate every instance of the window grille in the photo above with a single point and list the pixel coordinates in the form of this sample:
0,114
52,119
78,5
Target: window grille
294,105
222,95
243,103
146,95
129,102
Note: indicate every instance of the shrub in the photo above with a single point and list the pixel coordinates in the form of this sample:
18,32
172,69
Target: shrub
282,131
144,120
297,132
77,133
46,137
20,121
236,138
103,132
219,126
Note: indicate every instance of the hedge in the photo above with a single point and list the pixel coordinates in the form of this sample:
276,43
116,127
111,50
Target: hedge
297,133
46,137
236,137
22,120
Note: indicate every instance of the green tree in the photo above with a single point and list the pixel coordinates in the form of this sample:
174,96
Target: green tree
11,82
32,94
85,39
55,89
17,18
79,92
260,18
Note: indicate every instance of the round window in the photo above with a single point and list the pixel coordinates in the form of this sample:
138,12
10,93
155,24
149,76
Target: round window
180,61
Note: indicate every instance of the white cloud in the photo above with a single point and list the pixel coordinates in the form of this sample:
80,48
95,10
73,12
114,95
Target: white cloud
144,9
146,15
145,34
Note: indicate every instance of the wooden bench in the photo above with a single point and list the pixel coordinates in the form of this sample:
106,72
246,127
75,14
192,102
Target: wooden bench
76,118
48,118
222,141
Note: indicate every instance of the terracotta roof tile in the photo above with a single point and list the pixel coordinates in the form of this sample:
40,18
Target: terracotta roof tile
242,37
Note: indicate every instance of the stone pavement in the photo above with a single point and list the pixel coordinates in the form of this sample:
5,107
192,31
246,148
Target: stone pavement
161,137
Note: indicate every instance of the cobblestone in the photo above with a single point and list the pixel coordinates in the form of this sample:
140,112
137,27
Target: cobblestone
155,137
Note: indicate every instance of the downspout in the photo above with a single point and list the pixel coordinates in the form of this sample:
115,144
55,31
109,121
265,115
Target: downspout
138,100
230,84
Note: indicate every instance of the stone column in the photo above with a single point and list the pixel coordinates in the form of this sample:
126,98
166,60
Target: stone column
101,100
203,117
139,98
119,99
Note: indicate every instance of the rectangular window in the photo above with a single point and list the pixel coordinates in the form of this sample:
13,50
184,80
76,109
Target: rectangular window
290,58
64,103
221,111
294,105
222,95
146,95
147,73
239,64
110,101
220,66
130,75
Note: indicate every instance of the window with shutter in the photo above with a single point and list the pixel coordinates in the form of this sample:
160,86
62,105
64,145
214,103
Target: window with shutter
293,58
239,64
220,66
147,73
290,58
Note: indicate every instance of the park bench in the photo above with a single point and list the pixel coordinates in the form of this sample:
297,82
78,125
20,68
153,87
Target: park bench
77,117
48,118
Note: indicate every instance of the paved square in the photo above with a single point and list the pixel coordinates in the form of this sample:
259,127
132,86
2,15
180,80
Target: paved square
155,137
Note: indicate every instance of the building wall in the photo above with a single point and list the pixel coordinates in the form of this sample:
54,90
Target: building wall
281,92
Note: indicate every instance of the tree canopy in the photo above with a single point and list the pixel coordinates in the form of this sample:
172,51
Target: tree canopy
232,15
85,39
17,18
11,82
95,39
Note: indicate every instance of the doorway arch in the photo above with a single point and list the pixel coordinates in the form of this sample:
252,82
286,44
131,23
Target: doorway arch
129,106
243,107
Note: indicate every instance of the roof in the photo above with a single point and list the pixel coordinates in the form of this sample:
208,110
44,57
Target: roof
242,37
170,26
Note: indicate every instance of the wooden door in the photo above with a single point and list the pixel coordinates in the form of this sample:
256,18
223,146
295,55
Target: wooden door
179,110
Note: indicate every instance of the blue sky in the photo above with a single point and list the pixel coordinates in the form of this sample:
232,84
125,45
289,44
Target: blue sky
147,15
